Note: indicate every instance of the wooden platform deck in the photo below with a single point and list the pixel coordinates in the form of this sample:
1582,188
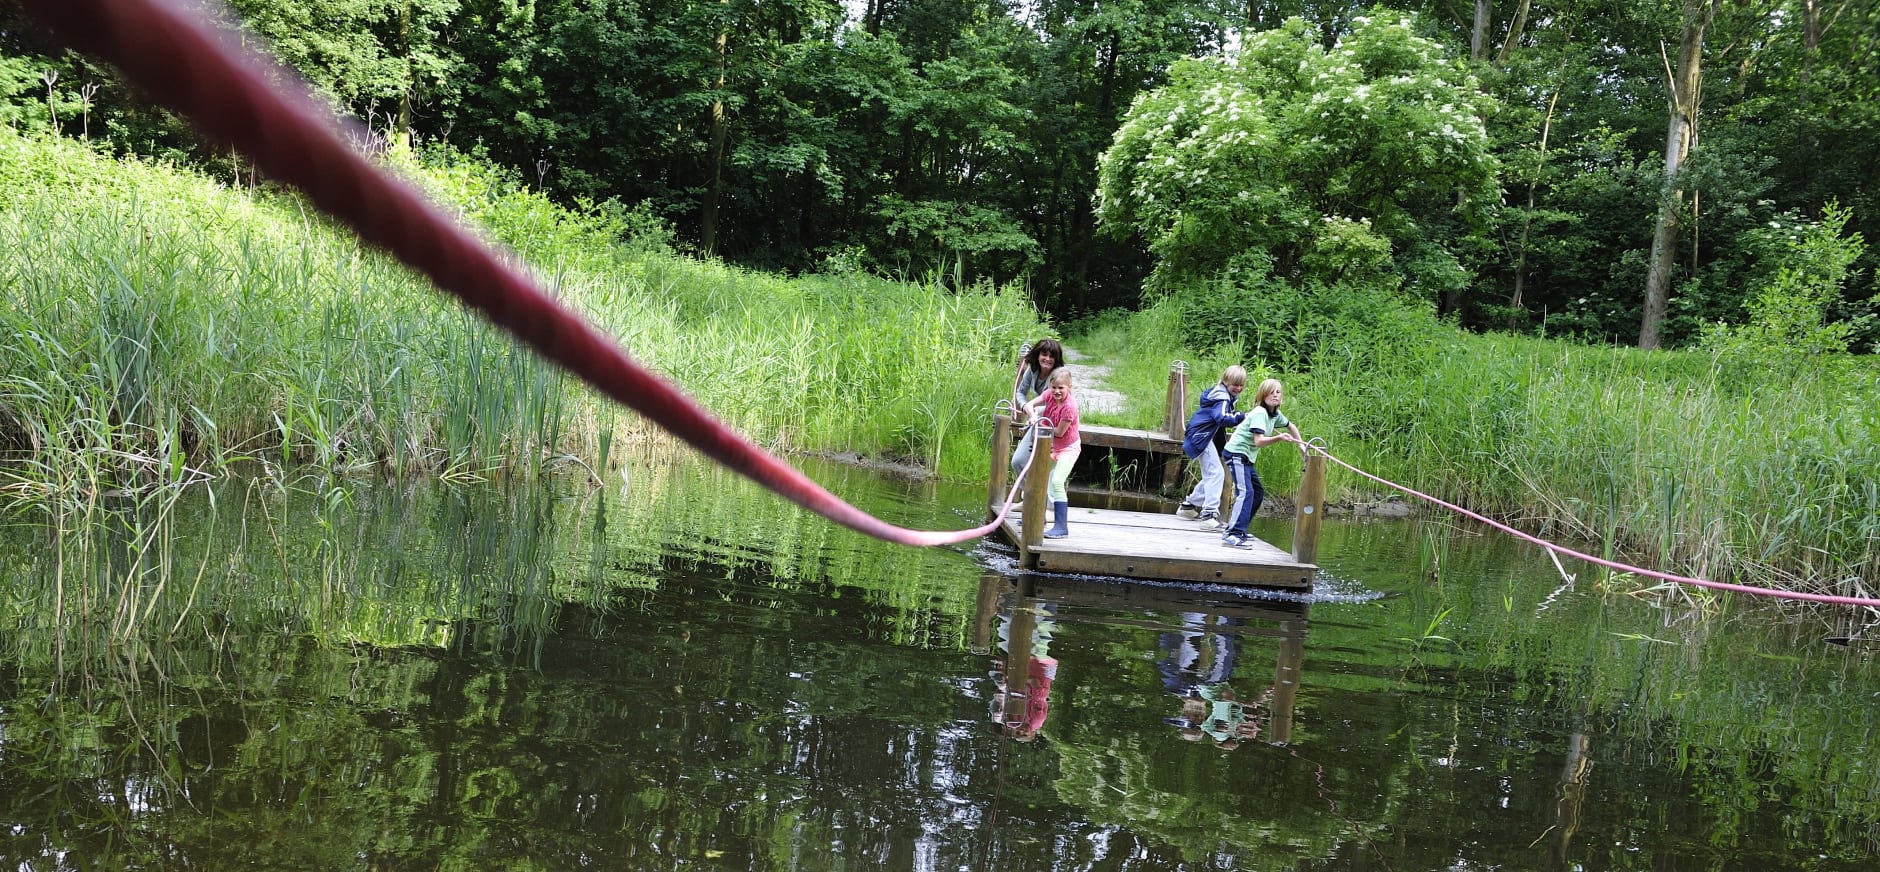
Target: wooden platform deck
1159,546
1164,451
1134,440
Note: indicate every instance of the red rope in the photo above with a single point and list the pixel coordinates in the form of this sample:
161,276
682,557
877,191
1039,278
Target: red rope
186,64
1622,567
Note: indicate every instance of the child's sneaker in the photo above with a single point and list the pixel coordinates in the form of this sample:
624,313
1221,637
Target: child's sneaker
1210,523
1188,512
1234,540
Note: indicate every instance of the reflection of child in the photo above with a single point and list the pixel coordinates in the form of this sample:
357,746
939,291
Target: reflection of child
1040,671
1211,710
1203,652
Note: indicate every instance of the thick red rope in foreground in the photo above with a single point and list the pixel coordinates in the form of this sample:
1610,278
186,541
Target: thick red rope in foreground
1622,567
189,66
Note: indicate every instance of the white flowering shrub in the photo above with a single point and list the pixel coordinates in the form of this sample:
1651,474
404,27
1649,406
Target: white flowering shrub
1367,162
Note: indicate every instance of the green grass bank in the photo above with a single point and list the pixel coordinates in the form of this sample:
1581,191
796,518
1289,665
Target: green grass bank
1763,469
160,325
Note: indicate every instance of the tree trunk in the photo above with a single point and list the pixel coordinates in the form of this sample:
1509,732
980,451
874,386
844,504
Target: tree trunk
401,134
1680,133
708,220
1515,26
1083,217
1478,35
1527,220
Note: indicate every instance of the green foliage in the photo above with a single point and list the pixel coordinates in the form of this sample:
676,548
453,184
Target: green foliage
1807,265
1329,161
1674,459
156,319
935,232
369,56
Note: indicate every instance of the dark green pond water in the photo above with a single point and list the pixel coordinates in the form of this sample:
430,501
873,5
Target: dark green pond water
687,674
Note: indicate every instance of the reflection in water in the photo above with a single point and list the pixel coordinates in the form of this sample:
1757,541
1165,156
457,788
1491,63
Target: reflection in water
1572,797
1023,695
1196,662
689,674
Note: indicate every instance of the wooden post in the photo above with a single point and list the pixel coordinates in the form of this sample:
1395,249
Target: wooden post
1311,507
1175,407
1036,503
1227,491
1001,461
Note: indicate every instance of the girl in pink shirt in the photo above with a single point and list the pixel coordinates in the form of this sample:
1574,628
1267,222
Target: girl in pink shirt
1059,405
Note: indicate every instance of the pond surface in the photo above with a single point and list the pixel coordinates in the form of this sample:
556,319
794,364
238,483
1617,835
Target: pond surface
687,673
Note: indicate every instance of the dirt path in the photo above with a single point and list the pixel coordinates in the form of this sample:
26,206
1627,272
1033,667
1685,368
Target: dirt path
1093,395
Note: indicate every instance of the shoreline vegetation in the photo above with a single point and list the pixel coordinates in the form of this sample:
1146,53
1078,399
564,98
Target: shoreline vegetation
163,328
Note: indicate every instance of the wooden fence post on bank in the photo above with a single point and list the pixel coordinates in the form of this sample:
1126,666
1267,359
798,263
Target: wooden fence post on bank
1175,406
1175,423
1001,456
1310,508
1036,480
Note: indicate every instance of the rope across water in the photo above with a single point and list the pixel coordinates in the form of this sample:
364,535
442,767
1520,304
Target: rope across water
1868,602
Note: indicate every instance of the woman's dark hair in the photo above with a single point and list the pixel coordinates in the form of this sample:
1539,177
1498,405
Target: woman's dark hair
1044,345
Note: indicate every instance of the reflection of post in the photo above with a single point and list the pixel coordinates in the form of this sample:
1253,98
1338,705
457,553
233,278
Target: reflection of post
1019,633
1572,797
1292,655
990,583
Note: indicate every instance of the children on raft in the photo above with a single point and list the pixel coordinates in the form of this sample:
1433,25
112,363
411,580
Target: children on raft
1043,390
1205,441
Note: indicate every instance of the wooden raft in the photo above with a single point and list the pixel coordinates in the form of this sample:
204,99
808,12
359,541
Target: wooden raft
1146,544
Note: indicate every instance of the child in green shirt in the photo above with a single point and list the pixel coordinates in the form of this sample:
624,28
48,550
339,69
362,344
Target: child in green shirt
1259,430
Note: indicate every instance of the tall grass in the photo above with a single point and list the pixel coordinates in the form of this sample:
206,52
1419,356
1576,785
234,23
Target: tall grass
1674,459
154,317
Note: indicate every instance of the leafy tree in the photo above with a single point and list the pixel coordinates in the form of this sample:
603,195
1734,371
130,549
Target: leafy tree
1324,166
1789,320
372,57
1081,77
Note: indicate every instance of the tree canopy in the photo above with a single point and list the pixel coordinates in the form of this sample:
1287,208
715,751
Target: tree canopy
1510,162
1367,161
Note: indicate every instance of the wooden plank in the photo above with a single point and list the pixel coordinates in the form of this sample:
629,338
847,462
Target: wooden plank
1288,578
1147,545
1135,440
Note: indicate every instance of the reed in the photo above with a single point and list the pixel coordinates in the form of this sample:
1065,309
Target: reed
1673,459
148,303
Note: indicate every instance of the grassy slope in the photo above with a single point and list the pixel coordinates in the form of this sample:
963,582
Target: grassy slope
157,319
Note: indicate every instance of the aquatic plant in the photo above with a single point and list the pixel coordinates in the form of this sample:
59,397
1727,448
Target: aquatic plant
155,314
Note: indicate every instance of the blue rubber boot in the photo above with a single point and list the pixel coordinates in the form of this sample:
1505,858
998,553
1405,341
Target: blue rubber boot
1061,513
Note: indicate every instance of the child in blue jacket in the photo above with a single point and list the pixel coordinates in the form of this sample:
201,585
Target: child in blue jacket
1201,441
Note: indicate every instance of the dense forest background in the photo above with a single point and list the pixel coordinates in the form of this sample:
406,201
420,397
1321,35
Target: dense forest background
1640,162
